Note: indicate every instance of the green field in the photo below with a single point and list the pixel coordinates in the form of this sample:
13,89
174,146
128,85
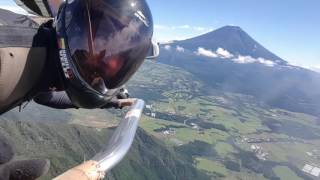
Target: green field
211,167
243,117
195,135
285,173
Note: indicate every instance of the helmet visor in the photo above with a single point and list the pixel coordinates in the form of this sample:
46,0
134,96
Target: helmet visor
108,39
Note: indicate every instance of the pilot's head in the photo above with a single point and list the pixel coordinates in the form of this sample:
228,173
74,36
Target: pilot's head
102,44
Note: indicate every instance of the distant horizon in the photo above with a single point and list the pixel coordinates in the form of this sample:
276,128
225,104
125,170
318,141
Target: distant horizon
288,29
313,68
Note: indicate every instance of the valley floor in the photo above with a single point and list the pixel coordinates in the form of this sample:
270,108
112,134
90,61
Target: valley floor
228,135
185,133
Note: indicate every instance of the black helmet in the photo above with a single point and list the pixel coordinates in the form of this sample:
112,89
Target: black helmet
102,43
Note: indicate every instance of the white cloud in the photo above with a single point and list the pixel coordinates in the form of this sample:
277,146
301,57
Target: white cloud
200,28
167,47
158,26
224,53
170,40
248,59
315,68
183,27
204,52
295,65
180,49
266,62
220,52
244,59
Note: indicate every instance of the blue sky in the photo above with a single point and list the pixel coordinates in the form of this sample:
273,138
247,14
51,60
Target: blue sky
289,28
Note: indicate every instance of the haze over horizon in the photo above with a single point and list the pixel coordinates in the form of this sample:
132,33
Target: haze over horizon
287,29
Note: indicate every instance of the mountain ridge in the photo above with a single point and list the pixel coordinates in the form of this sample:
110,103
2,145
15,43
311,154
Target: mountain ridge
232,39
224,60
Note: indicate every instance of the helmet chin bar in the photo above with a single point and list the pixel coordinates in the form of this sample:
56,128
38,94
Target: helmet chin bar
116,149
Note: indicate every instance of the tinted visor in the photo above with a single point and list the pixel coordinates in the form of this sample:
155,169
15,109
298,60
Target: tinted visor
108,39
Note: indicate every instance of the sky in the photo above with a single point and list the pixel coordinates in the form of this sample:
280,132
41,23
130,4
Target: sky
289,28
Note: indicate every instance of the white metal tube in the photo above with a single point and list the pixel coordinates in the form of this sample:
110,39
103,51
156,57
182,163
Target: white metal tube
117,147
121,140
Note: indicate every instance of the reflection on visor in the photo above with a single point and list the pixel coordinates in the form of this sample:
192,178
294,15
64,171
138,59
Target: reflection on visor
113,66
107,40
